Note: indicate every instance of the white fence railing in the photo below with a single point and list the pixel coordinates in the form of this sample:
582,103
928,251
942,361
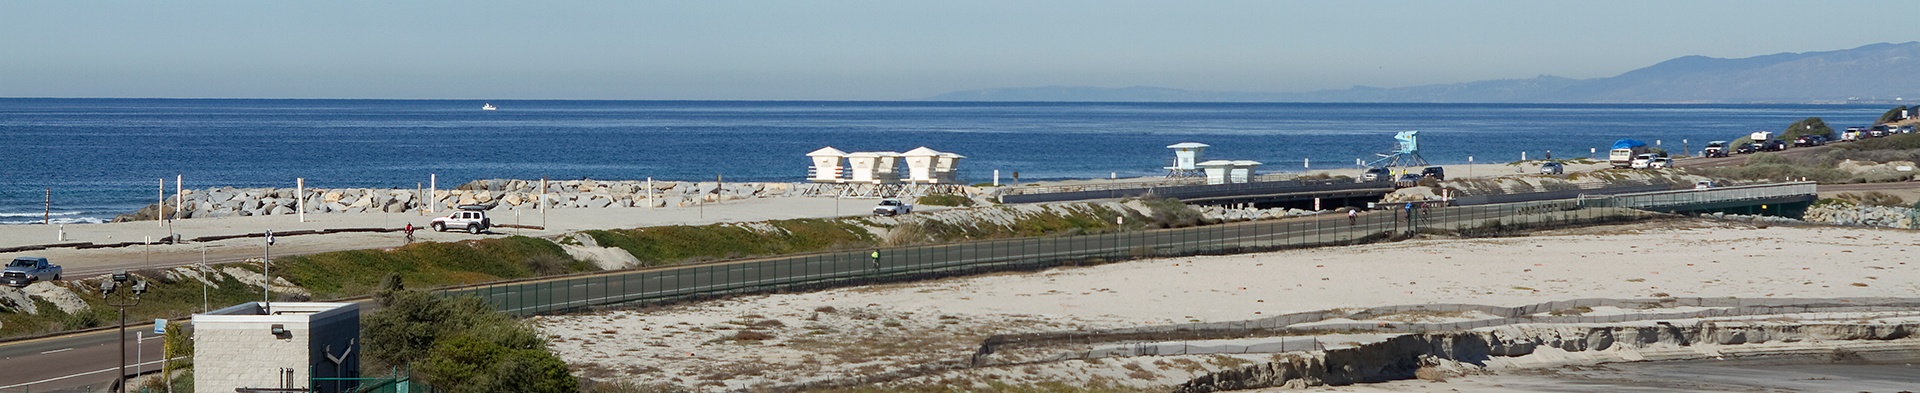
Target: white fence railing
1657,199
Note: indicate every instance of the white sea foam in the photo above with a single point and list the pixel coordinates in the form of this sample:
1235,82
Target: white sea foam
57,221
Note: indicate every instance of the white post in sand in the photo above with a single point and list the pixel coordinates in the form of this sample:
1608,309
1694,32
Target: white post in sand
1307,163
1469,166
179,200
433,185
160,205
996,179
649,192
300,198
543,201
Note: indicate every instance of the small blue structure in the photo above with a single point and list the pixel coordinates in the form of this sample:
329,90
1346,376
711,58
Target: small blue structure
1406,152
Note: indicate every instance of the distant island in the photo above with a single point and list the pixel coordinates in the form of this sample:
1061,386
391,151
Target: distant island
1877,73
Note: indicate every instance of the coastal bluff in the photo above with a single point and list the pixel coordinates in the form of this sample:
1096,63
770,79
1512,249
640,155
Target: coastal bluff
492,193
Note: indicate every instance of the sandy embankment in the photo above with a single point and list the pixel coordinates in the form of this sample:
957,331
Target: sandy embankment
860,331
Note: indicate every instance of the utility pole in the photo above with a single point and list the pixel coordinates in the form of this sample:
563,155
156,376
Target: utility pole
108,290
266,269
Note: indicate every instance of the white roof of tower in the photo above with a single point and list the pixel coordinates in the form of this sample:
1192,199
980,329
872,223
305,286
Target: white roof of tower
826,151
1187,145
921,151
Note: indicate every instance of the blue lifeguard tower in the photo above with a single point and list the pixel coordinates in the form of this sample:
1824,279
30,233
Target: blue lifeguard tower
1406,153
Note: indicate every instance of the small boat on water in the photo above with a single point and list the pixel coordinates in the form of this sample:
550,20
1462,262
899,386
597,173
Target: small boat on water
488,107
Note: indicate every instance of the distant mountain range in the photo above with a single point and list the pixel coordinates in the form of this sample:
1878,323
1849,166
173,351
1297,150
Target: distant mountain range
1872,73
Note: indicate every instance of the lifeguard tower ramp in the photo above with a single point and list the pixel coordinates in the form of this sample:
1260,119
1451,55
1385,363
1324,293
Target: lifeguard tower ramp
1406,152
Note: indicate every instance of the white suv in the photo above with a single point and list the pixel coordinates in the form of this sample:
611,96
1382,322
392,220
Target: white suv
471,217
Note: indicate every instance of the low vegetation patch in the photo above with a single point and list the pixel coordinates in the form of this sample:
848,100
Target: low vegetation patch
684,243
945,200
353,273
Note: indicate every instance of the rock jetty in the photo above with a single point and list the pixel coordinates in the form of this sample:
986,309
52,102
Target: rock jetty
494,193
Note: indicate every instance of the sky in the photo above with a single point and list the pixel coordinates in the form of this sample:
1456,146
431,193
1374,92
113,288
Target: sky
870,50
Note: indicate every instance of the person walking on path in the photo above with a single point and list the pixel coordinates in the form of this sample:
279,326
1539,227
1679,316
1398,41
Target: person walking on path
1353,215
409,232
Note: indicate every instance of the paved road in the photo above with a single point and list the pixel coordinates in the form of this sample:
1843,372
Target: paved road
83,362
1737,159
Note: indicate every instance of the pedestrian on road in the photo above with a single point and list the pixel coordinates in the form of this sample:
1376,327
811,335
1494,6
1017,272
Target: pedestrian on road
876,259
1353,215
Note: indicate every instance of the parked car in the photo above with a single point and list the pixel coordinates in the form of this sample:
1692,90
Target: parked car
1773,145
1552,168
1704,184
1376,174
1437,173
1660,163
1879,131
1715,149
892,207
24,271
472,218
1852,134
1906,129
1408,180
1747,148
1809,141
1642,161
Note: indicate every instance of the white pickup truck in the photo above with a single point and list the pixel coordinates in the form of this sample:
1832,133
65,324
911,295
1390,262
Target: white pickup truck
892,207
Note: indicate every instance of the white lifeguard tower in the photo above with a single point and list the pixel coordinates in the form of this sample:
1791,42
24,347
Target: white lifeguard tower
863,167
1242,171
826,165
1228,171
920,164
946,168
877,174
1216,170
1185,154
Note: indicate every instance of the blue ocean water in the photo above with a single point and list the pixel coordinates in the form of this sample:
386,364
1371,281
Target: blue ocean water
102,157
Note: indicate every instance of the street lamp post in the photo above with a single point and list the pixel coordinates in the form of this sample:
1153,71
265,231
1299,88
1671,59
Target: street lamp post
108,290
266,269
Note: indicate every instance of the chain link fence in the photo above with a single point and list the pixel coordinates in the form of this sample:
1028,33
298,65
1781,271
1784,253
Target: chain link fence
894,264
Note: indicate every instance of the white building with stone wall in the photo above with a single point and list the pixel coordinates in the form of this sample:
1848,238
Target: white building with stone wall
250,346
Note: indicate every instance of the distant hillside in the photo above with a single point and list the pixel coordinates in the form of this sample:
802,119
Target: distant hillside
1872,72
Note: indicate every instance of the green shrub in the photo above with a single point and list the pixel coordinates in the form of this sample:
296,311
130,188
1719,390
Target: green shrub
682,243
1891,115
353,273
1807,126
1171,213
945,200
460,344
1872,198
1891,142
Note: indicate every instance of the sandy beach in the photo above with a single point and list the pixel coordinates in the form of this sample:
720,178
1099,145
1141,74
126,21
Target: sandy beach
695,345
